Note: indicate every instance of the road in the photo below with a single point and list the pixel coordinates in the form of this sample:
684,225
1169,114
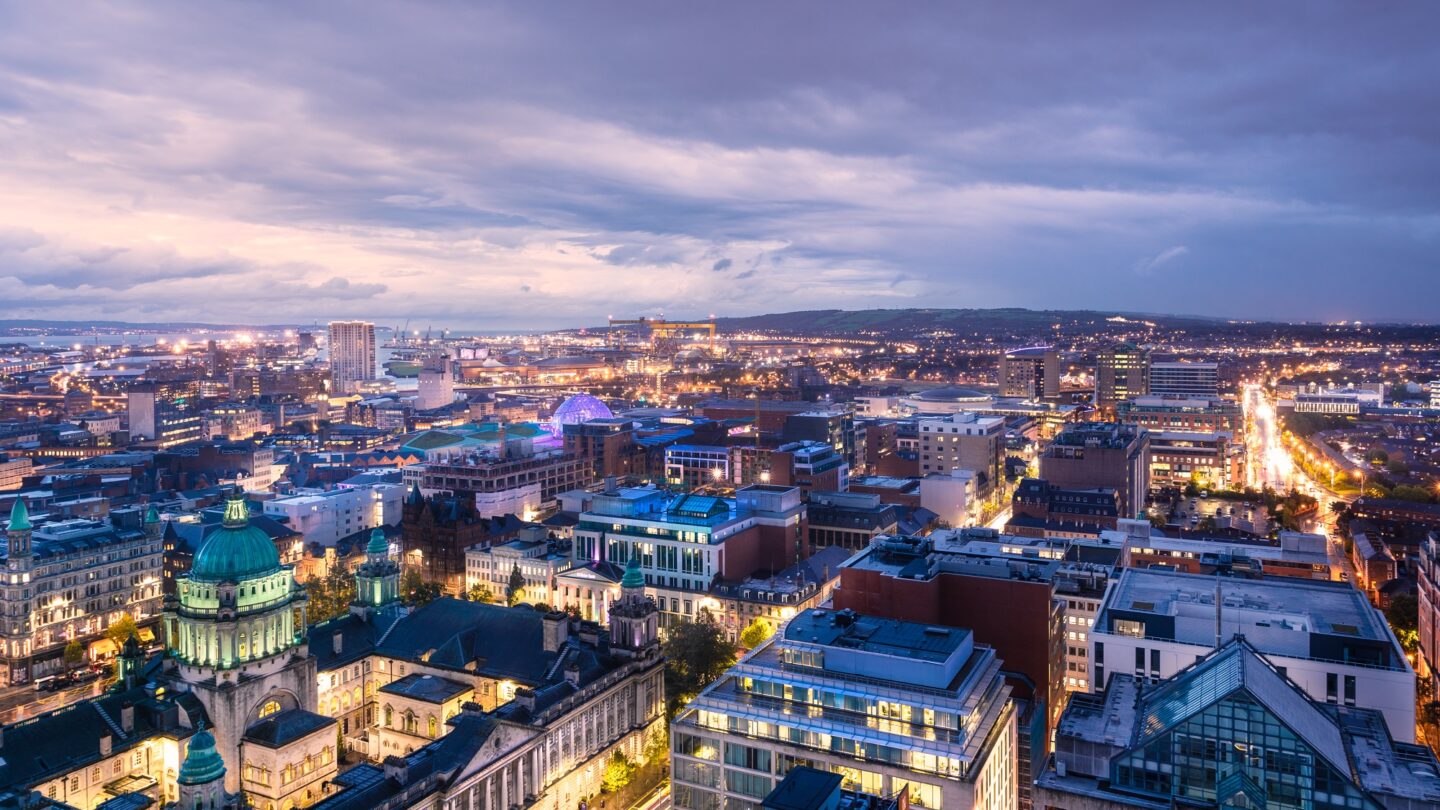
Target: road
1273,466
658,800
1277,470
20,702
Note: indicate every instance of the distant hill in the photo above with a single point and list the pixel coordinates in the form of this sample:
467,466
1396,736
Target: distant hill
919,321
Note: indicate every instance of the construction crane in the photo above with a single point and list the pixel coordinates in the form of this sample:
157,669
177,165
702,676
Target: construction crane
661,329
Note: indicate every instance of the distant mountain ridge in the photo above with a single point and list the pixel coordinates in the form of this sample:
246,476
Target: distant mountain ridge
841,321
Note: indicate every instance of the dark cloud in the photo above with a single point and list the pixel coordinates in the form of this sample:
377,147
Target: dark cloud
411,159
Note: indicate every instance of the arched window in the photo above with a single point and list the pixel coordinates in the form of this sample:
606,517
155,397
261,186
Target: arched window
434,726
389,717
270,707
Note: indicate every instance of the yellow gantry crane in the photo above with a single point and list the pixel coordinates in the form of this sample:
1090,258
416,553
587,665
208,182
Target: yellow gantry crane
661,329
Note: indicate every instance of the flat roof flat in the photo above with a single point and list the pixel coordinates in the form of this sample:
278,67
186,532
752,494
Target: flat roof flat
1276,615
873,634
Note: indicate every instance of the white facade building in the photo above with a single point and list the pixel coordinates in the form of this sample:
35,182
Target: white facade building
325,516
352,355
1324,636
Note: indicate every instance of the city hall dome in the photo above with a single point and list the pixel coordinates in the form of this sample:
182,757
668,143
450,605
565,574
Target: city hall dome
236,551
577,409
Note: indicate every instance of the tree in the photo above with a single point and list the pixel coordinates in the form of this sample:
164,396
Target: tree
416,591
74,653
755,634
696,653
515,588
330,595
1376,456
618,772
480,593
1403,612
121,629
1397,467
1410,492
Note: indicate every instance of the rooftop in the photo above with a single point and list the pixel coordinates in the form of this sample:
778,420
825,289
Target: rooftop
428,688
872,634
1277,615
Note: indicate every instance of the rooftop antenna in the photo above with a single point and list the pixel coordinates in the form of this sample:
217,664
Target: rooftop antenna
1218,609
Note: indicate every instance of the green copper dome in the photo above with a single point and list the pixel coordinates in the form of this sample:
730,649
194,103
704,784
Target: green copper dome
378,545
19,516
236,551
152,516
633,578
202,762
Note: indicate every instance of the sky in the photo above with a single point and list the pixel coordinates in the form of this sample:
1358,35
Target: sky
526,164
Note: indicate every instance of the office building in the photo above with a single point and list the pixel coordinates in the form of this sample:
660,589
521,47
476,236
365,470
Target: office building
1030,373
519,570
1041,509
687,544
1186,380
233,421
848,520
1229,730
1324,636
161,417
692,466
893,707
1184,415
1050,591
1122,372
1099,455
965,441
70,580
436,387
325,516
1207,460
1428,597
1295,554
352,355
608,444
953,497
833,427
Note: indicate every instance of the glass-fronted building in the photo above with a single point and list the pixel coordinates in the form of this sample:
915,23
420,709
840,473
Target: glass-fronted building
1230,731
893,707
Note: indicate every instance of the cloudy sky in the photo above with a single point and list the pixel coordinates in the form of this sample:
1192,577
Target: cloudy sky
547,164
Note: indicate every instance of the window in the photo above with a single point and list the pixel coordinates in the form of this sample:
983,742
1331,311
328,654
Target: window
1331,687
1349,690
268,708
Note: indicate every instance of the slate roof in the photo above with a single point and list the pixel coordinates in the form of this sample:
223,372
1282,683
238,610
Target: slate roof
285,727
425,687
57,742
503,642
366,787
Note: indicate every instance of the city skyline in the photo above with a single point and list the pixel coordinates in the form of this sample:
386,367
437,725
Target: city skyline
500,167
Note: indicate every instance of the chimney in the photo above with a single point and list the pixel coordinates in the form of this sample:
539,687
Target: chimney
106,744
612,486
127,718
337,641
525,697
590,633
557,629
398,769
572,674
